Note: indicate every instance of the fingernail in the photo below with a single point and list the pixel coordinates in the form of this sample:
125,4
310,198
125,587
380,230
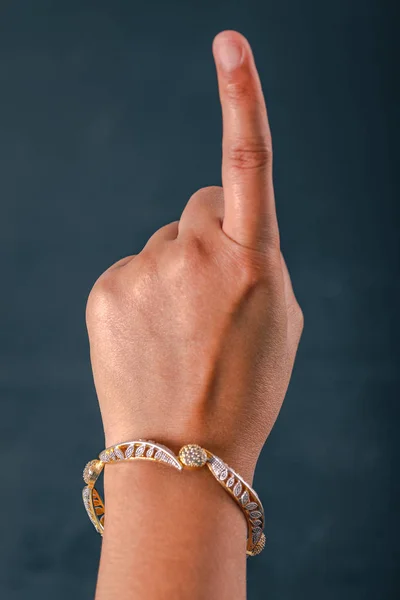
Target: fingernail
229,52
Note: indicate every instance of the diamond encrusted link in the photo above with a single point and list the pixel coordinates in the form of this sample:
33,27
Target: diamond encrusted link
118,453
251,506
247,499
87,471
224,474
158,455
130,450
256,534
217,465
140,450
163,457
86,496
230,481
259,546
150,452
237,490
244,498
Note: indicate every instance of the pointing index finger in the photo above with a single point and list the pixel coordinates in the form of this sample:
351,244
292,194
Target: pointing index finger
250,216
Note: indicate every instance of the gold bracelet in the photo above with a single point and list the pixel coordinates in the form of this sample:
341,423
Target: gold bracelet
190,456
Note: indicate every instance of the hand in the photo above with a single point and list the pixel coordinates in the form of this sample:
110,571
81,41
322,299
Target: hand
193,340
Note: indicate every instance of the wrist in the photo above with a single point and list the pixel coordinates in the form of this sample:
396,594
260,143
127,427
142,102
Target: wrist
173,516
142,488
179,520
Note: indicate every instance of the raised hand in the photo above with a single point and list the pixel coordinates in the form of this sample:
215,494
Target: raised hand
193,340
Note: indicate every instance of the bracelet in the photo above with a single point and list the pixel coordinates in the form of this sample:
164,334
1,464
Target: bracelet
191,456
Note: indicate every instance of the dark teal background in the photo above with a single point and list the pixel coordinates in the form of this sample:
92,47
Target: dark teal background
109,121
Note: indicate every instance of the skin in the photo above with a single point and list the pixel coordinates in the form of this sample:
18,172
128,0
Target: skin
193,341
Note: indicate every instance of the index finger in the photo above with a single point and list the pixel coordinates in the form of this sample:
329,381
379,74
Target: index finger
250,216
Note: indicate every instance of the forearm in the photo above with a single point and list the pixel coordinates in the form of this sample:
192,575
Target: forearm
170,535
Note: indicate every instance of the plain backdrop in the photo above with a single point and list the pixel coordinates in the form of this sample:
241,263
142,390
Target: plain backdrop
109,121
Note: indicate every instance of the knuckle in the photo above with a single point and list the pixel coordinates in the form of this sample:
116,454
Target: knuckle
187,261
251,275
254,266
250,154
102,297
204,205
206,197
255,272
207,190
146,262
118,292
192,252
139,289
